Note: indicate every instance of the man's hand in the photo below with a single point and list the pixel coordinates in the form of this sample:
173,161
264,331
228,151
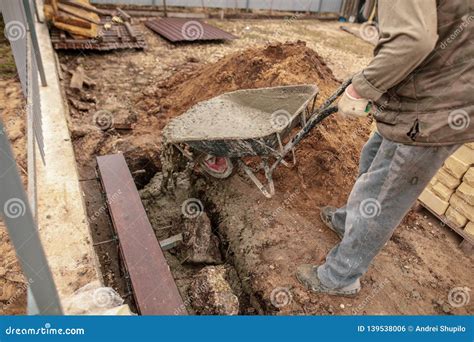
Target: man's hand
352,104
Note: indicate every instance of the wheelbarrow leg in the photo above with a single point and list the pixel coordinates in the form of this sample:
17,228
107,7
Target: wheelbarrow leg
268,193
269,176
284,162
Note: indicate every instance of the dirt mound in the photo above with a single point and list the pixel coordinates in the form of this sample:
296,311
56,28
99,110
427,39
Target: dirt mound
274,65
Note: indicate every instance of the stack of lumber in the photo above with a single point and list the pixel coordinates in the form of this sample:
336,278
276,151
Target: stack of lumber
450,194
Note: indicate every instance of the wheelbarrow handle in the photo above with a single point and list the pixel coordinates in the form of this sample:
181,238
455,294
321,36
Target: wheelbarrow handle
321,113
316,117
333,97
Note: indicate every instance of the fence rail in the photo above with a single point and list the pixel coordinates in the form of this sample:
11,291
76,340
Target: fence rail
318,6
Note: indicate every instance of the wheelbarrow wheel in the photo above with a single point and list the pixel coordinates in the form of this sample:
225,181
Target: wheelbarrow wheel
217,167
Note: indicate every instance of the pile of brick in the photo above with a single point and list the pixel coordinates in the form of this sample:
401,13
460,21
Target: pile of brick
450,193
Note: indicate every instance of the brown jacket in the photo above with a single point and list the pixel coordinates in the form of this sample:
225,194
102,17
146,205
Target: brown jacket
422,76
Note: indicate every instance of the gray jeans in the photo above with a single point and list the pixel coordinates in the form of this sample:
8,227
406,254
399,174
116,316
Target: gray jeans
391,177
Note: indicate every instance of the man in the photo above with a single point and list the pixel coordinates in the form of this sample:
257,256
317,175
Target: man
420,83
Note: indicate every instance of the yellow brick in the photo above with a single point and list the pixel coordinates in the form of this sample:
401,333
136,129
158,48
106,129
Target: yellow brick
462,207
466,192
469,177
470,228
448,180
433,202
455,218
456,167
465,154
442,191
470,145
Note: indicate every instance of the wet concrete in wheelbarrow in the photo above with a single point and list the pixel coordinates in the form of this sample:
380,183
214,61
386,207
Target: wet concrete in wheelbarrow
242,114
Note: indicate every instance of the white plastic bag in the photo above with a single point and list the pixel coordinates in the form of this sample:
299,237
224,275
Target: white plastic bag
93,299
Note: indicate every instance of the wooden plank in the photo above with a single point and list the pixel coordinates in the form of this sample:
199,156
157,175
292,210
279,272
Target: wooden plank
171,242
123,14
67,19
130,31
153,285
77,78
85,6
78,14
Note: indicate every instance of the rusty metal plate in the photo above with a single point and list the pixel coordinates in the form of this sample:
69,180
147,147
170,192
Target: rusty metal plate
124,36
187,30
153,285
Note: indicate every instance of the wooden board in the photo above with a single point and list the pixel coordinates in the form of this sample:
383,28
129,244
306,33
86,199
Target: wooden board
153,285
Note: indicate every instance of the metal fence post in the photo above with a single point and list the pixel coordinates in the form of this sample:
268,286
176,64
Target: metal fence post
23,233
165,9
34,41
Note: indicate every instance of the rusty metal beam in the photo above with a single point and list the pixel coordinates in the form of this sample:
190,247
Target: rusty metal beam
182,30
153,285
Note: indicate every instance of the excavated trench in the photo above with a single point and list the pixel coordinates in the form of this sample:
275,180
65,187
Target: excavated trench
247,300
203,265
252,301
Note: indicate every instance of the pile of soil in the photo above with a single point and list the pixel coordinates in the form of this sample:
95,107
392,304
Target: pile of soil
274,65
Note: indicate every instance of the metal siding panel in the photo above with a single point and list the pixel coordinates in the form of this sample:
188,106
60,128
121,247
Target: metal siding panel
316,6
331,6
127,2
284,5
184,3
172,29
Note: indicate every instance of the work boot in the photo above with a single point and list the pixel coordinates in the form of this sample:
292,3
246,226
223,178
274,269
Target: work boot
327,214
308,276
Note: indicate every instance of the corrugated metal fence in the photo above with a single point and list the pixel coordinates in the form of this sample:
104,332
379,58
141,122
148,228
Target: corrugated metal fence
283,5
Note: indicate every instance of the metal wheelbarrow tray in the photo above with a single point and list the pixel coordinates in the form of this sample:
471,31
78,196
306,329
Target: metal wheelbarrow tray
251,122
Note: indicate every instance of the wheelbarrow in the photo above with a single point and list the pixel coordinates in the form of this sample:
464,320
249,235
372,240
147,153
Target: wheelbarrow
266,123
